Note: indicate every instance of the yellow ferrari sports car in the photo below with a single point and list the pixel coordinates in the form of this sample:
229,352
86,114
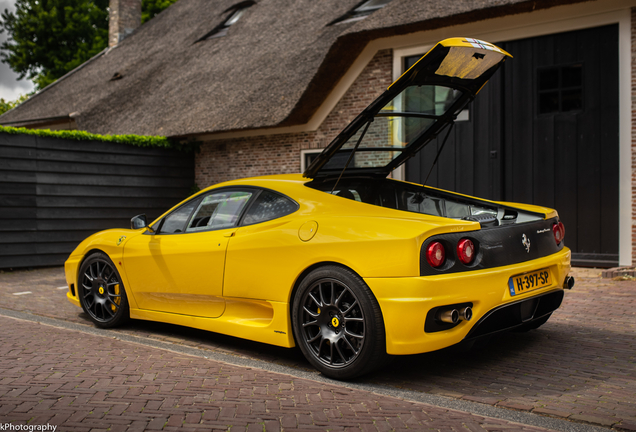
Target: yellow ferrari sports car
347,264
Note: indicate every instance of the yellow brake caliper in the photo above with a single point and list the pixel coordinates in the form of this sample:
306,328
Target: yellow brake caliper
117,299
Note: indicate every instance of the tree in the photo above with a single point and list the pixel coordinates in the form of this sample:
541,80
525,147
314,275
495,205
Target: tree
7,105
48,38
150,8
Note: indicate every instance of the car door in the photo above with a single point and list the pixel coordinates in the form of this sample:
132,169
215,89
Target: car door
179,267
256,259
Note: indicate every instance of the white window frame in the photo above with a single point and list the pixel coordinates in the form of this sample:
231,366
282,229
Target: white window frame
303,166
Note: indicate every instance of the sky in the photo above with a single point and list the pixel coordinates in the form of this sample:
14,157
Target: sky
10,87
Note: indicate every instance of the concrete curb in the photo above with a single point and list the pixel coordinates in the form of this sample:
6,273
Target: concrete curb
617,272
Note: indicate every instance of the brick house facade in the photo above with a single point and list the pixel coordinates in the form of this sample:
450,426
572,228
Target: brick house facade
257,101
230,159
227,159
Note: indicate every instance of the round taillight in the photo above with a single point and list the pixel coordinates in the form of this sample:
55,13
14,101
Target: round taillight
558,229
466,251
435,254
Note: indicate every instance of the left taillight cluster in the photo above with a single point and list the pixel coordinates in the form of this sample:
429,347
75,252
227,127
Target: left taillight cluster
436,253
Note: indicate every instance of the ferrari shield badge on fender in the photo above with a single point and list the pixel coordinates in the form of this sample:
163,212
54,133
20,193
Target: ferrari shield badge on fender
121,239
526,242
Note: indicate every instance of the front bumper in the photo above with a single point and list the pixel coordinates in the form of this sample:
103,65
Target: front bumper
70,270
405,302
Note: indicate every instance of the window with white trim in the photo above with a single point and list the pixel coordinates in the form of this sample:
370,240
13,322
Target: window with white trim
307,157
361,11
234,13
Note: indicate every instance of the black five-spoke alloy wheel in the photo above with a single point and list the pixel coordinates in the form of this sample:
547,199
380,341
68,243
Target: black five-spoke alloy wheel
338,324
101,291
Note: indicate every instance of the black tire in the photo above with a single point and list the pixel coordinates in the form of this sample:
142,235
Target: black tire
533,325
338,324
101,292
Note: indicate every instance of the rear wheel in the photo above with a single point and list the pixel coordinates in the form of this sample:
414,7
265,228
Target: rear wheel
101,292
338,324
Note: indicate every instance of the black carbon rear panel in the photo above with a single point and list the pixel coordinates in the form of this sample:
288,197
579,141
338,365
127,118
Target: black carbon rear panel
495,247
513,315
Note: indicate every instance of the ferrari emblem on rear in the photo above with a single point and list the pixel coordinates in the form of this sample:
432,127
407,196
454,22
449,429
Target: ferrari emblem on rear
526,242
121,239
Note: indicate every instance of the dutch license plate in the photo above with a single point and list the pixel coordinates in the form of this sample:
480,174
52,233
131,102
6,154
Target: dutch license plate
529,281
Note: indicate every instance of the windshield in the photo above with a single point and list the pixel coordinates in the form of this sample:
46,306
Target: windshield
396,126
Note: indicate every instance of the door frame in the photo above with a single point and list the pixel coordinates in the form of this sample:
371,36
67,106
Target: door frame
552,21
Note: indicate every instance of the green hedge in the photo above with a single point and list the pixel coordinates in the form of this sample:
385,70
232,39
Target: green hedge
136,140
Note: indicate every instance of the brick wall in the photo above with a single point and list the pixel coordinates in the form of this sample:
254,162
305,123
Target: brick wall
124,18
633,42
230,159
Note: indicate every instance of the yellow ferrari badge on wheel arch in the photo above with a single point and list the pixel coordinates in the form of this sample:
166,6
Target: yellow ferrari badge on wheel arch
121,239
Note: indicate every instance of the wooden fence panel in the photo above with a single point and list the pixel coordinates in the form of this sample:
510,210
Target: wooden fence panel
55,192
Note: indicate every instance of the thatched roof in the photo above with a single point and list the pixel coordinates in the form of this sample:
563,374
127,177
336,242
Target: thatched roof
274,68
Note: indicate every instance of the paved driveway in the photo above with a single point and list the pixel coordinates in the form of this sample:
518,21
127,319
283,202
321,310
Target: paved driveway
50,376
580,366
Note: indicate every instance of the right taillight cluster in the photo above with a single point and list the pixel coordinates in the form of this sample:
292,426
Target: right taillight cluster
559,232
436,253
465,251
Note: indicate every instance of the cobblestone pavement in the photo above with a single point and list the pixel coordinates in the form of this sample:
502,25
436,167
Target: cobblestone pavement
50,376
580,366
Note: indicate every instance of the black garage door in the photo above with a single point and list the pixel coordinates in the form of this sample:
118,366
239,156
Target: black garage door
545,131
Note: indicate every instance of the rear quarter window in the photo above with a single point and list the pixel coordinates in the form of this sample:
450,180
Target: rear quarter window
267,206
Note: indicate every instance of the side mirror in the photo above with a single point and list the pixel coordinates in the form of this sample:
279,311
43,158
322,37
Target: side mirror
139,221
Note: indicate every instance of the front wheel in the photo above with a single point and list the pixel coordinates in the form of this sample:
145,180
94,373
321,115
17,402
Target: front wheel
101,292
338,324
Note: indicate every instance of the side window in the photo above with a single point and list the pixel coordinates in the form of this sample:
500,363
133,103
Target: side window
219,210
175,222
268,206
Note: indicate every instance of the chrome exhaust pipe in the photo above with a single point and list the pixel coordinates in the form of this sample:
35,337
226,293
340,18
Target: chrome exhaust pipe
568,283
466,313
453,316
450,316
